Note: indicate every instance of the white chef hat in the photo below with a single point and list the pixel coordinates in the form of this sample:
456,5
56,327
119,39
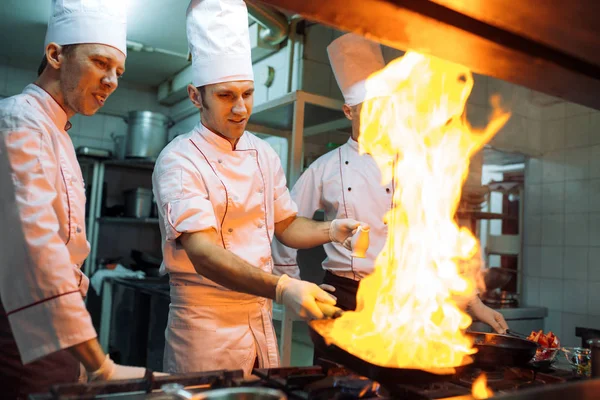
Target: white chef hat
353,58
88,21
219,41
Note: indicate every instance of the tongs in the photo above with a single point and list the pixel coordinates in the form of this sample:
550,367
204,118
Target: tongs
510,332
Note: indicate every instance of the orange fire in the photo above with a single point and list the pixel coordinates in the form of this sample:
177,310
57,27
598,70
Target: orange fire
480,389
408,313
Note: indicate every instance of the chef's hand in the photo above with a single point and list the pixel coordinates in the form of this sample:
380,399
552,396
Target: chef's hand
487,315
301,297
341,231
109,371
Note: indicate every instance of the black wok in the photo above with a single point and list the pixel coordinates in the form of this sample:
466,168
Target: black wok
386,376
494,349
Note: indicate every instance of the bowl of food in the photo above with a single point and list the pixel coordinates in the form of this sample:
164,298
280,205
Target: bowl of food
549,346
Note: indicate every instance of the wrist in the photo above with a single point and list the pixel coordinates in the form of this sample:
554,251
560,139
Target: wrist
332,227
105,371
282,283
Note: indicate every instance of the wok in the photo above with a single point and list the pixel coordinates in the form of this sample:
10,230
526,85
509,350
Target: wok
386,376
494,349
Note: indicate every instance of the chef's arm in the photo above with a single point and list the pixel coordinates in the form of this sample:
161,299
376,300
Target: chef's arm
303,233
227,269
224,267
89,353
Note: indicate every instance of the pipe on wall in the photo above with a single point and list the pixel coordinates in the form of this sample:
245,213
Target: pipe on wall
274,23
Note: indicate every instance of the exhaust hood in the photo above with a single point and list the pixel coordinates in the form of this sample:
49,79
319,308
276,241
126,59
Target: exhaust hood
551,46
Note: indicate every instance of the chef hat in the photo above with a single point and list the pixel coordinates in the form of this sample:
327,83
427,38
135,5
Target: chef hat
219,41
88,21
353,58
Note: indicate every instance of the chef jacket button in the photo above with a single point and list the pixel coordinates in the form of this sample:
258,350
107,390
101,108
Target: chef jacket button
349,189
260,190
220,161
346,162
78,229
230,230
260,225
387,190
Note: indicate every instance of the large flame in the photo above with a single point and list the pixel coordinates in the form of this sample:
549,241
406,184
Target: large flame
409,312
480,389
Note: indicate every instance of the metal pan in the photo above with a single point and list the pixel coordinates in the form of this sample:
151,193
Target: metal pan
386,376
494,349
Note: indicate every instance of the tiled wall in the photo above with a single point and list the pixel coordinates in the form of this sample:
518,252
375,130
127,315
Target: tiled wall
562,220
94,131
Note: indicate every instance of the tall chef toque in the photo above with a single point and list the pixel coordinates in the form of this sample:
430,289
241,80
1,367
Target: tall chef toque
218,37
353,58
88,21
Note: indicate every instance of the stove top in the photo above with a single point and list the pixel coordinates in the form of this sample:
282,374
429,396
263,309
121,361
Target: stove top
319,382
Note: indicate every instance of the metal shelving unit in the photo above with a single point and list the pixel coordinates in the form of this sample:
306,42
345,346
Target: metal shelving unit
94,218
295,116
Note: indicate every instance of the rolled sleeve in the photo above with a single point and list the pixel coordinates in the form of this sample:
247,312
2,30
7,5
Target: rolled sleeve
184,203
39,290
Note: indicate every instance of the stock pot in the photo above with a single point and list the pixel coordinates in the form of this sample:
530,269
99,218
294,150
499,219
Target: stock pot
147,134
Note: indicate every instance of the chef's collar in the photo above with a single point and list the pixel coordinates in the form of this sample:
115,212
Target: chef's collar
220,142
353,144
54,110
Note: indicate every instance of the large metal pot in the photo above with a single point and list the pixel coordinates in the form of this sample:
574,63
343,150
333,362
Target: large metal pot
147,134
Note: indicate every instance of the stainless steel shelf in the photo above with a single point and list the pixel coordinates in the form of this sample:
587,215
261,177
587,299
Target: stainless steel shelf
126,220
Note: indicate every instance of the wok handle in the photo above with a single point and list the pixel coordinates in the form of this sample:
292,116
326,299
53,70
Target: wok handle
330,311
510,332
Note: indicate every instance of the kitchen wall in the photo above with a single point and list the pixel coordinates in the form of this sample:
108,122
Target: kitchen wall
562,220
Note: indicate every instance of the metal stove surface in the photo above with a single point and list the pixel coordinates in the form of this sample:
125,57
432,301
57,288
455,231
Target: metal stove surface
328,381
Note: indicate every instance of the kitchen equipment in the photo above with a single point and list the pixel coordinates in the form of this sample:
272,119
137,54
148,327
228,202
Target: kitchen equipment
119,145
242,393
497,278
146,262
384,375
138,202
334,381
93,152
500,298
494,349
595,347
147,134
579,358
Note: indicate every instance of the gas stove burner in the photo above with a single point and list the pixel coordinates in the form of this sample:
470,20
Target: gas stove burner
352,387
491,374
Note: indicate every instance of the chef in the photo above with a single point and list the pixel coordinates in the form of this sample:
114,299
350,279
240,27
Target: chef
346,184
222,196
45,329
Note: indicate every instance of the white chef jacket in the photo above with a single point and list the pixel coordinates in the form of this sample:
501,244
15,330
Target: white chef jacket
201,183
344,184
43,292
